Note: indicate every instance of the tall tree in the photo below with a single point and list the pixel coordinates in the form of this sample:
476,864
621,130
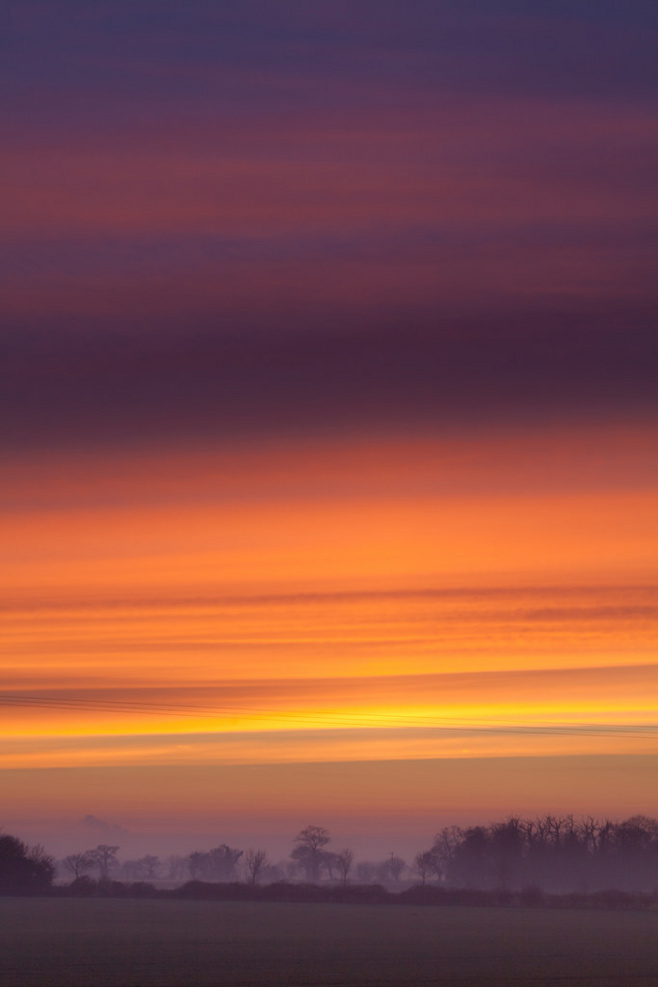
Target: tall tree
255,861
395,865
424,865
78,864
104,857
308,851
344,861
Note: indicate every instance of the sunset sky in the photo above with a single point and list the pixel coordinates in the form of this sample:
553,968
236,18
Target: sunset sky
329,442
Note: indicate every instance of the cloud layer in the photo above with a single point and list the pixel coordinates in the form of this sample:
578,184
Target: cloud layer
328,413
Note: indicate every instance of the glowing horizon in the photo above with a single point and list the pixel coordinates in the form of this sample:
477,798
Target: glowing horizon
187,631
329,411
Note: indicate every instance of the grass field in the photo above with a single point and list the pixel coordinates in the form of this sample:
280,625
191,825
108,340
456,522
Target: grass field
142,943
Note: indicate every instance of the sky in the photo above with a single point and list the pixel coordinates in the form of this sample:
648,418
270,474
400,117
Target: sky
329,445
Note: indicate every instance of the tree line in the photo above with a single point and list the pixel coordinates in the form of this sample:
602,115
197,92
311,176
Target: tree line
555,854
310,861
552,853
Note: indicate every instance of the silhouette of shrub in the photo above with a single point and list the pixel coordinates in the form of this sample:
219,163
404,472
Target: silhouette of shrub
24,871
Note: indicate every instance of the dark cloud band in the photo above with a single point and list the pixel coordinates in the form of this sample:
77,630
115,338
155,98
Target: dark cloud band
68,387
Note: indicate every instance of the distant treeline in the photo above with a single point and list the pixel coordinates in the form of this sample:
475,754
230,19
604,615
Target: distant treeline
513,861
552,853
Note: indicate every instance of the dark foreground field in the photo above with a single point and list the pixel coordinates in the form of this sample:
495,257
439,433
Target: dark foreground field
142,943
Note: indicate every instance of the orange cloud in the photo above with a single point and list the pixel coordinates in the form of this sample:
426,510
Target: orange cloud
383,600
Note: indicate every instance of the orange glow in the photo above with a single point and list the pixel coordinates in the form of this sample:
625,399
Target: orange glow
374,600
328,471
385,541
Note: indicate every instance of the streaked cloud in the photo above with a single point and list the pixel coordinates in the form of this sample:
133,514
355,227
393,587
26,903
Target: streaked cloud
328,408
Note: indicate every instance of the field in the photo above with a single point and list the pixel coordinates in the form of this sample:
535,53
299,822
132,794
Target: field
161,943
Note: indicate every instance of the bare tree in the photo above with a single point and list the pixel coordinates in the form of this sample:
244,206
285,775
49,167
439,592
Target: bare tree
329,863
308,851
424,865
104,857
395,866
78,864
255,861
590,829
344,861
444,847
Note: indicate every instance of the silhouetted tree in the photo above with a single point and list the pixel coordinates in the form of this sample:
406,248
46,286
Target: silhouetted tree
635,852
308,851
329,863
218,864
444,847
554,853
78,864
395,866
344,861
506,848
105,858
23,870
255,862
424,865
471,861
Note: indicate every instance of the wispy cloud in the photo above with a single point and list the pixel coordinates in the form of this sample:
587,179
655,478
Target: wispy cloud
328,405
